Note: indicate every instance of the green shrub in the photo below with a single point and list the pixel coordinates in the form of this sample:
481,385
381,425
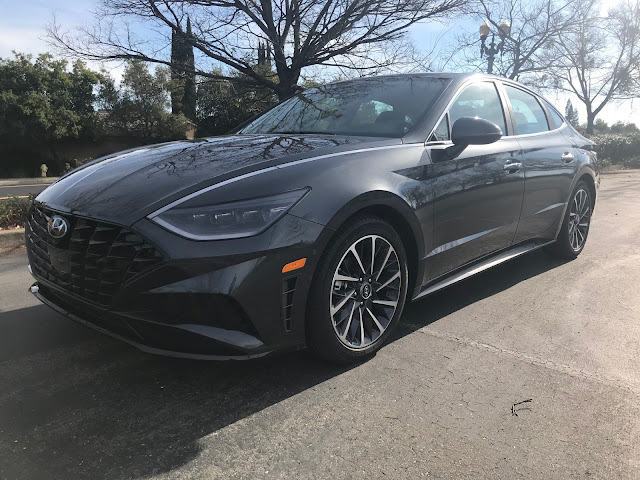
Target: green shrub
618,149
13,211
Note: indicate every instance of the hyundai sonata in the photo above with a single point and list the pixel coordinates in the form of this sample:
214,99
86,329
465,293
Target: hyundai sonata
314,223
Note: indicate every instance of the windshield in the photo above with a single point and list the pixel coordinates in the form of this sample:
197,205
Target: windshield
381,107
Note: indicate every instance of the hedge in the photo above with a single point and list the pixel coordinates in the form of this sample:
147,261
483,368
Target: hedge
13,212
618,149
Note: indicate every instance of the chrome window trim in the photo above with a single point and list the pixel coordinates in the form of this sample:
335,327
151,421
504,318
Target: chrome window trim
497,83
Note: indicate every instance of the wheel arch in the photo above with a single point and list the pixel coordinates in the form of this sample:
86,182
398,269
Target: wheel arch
587,174
396,212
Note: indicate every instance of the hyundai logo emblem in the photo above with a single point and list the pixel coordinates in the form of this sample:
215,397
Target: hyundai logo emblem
57,226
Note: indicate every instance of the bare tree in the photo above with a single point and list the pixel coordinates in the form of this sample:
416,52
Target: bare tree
534,25
599,57
349,34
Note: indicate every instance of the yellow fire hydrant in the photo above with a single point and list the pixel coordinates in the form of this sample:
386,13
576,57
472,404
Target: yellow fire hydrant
43,170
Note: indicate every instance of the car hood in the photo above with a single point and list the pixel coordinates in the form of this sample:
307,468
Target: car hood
124,187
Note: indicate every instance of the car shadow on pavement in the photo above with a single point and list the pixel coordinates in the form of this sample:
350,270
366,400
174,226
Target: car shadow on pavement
77,404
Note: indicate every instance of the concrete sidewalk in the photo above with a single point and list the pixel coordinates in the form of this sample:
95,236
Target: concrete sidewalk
23,187
5,182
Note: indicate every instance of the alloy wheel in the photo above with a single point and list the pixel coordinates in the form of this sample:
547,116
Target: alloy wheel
579,217
365,291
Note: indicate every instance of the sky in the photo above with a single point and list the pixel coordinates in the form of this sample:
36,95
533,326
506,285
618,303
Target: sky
22,30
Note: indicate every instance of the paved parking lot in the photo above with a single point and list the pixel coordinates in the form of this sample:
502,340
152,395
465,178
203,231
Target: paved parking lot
435,403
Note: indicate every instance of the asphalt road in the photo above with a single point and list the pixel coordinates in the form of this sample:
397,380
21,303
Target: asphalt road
21,190
435,403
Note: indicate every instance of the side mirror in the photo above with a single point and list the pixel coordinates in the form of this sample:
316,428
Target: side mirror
474,131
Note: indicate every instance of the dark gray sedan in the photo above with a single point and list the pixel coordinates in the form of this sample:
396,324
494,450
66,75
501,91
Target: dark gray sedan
314,223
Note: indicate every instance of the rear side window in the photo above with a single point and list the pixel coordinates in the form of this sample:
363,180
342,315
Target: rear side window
555,117
528,114
479,100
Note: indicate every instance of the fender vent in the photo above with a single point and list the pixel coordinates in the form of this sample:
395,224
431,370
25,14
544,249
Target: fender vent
288,291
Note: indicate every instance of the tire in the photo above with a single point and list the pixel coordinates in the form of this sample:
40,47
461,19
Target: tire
573,237
342,291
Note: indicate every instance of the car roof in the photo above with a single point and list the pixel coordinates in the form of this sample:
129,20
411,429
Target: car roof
448,75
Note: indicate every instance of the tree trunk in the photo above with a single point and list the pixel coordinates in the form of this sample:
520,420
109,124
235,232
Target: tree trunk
591,118
288,85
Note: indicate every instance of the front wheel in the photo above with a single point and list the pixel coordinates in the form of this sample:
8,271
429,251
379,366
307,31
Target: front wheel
575,226
359,291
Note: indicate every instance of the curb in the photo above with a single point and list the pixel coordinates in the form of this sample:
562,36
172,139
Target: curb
10,182
11,238
621,171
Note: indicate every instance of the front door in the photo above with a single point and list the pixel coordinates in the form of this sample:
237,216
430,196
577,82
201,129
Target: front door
477,193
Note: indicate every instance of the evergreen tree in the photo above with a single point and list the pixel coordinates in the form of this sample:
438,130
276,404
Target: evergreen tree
183,79
571,114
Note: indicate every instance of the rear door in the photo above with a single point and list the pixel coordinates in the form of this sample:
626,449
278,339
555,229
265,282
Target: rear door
477,191
548,160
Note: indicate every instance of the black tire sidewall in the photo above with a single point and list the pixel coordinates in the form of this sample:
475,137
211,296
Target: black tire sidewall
321,336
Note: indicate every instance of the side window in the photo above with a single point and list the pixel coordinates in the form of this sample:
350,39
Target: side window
556,118
441,133
527,112
479,100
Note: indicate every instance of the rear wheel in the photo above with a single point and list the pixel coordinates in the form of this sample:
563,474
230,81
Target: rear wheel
358,292
575,226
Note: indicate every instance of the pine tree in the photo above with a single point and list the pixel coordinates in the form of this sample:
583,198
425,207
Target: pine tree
571,114
183,79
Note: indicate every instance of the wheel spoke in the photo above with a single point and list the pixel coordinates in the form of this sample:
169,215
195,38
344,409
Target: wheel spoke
397,275
585,209
361,329
345,278
355,254
386,259
380,327
387,303
346,329
342,303
373,252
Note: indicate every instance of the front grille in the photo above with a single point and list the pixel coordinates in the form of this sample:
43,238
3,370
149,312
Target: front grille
92,260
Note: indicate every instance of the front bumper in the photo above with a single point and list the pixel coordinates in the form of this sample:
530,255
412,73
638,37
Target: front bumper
160,339
207,300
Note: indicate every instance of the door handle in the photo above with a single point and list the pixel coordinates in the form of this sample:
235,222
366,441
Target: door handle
511,167
567,157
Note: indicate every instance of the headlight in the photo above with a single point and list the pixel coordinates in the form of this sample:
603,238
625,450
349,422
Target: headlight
229,220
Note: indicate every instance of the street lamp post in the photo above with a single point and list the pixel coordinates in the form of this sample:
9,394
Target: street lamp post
493,49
